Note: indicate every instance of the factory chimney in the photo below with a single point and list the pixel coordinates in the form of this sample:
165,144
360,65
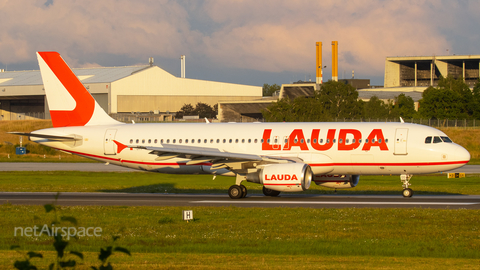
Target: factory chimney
182,66
335,61
319,63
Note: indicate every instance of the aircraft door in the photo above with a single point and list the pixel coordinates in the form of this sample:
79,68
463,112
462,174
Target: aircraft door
109,145
401,135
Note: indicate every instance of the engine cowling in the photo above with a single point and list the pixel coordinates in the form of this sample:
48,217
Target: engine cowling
337,181
290,177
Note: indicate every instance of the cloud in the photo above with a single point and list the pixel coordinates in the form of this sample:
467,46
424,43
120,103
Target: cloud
270,36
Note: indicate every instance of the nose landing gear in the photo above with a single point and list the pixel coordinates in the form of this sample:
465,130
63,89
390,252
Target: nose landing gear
405,178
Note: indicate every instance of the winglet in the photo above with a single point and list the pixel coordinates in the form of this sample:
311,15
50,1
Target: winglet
69,102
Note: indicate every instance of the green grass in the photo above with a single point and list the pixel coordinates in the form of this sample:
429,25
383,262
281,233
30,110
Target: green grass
140,182
263,234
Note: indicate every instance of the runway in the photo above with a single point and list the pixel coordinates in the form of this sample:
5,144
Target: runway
190,200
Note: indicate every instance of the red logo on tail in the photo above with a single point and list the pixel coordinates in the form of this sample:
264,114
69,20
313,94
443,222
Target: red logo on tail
85,104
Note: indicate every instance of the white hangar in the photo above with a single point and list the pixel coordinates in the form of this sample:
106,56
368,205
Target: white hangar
119,90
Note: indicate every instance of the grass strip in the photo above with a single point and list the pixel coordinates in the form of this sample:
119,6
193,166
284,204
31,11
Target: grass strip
253,261
368,234
139,182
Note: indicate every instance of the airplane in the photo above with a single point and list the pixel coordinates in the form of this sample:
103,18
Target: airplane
283,157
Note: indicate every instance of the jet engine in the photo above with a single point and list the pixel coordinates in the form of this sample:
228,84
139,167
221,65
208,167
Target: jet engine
290,177
336,181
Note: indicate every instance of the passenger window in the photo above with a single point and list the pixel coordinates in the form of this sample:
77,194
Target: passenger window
168,140
437,139
314,140
149,141
131,140
353,141
211,140
255,141
359,140
366,141
347,141
161,141
328,140
302,141
230,141
236,140
373,140
260,140
143,141
386,140
249,140
174,141
155,141
379,140
180,141
199,141
218,140
243,140
321,140
224,140
340,141
296,140
308,140
446,139
334,140
428,139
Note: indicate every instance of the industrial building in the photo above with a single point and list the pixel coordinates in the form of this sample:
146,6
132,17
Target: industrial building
119,90
424,71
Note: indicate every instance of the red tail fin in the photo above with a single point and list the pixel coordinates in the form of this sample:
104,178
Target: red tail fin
69,102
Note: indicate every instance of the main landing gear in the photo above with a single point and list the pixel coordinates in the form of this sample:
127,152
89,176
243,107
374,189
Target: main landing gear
238,190
405,178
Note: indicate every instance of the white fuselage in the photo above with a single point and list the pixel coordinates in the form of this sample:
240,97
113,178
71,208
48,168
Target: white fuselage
392,148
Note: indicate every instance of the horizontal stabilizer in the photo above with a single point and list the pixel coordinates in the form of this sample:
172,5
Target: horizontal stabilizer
50,137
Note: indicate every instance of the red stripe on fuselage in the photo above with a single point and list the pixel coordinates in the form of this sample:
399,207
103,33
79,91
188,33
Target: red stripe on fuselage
312,165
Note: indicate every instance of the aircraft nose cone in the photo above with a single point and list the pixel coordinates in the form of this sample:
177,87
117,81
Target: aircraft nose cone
461,154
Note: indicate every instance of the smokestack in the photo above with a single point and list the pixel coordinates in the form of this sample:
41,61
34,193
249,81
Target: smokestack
335,61
182,66
319,63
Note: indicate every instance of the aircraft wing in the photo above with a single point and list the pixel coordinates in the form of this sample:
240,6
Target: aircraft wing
217,157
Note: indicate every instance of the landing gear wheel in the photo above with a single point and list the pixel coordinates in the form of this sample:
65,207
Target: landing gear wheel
235,192
269,192
244,191
408,192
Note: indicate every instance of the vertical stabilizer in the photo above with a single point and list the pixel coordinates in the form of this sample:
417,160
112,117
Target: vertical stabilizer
69,102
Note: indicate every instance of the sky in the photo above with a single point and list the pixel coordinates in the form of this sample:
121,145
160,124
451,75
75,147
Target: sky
237,41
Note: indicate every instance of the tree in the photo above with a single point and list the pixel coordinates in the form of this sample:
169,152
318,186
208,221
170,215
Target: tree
452,99
375,109
187,109
335,100
404,107
201,109
340,100
204,110
268,90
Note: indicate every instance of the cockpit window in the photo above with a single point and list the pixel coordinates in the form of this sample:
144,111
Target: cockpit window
428,139
437,139
446,139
